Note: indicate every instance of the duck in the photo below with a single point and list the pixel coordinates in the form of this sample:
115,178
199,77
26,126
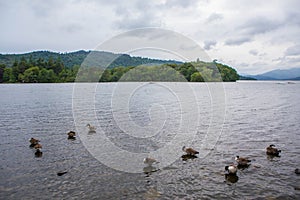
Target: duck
189,151
297,171
38,152
33,142
149,161
271,150
38,146
91,128
231,169
242,161
71,135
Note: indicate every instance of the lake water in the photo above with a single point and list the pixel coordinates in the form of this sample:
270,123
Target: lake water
247,117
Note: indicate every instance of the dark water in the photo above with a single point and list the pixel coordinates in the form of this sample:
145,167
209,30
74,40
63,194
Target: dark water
257,114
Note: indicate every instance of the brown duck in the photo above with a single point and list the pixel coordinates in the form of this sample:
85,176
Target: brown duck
271,150
242,161
71,135
33,142
189,151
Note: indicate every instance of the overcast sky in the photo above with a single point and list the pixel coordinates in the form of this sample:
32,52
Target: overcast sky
252,36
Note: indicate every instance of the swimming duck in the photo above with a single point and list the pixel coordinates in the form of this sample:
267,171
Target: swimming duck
71,135
297,171
33,142
271,150
38,152
38,146
231,169
149,161
189,151
242,161
91,128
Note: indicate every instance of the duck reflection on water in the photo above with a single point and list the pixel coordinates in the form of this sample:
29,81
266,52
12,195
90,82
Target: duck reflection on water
232,178
188,157
149,170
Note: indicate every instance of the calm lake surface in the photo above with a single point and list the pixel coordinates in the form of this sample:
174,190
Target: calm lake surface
256,115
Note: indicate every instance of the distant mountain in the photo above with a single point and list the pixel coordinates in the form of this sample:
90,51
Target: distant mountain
246,77
279,74
77,58
296,79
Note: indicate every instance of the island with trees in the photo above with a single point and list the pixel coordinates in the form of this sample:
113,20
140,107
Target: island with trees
50,67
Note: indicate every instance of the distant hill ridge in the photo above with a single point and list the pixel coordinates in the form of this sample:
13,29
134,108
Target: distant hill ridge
76,58
279,74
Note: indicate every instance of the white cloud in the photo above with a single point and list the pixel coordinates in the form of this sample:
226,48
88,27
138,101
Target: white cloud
234,32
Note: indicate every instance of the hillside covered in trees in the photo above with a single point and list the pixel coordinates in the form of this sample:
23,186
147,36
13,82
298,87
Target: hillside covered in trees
49,67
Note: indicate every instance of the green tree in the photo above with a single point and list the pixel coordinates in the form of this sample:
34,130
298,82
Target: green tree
31,75
196,77
8,76
66,75
46,76
15,71
117,73
2,68
58,66
106,76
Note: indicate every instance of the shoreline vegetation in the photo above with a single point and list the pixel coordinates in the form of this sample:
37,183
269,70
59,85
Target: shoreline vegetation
50,67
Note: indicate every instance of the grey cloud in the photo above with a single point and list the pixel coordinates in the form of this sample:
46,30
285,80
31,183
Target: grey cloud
293,51
293,18
253,52
262,54
209,44
44,8
138,15
71,28
237,41
146,14
295,62
214,17
188,47
180,3
259,25
130,22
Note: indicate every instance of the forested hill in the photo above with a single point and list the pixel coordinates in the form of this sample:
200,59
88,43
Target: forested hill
76,58
49,67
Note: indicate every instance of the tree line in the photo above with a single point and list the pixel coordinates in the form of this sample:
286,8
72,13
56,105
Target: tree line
37,71
53,70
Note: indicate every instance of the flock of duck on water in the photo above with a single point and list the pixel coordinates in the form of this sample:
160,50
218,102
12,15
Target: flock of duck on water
35,143
231,170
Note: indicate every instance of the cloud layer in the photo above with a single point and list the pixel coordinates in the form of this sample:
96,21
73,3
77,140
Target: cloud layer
252,37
